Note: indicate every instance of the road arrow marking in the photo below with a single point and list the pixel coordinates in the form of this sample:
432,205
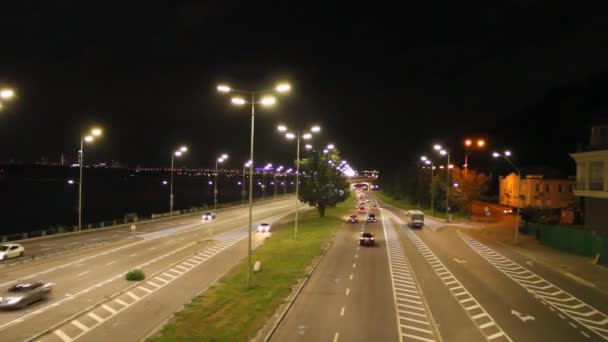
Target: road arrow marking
522,316
460,261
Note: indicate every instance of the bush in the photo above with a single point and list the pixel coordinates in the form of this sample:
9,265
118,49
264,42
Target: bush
136,275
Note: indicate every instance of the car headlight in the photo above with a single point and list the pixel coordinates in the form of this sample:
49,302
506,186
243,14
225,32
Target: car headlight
13,300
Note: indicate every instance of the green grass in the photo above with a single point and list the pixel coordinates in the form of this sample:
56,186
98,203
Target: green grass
135,275
231,312
405,204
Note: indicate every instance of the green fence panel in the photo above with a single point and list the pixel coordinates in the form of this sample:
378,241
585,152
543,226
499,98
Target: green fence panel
567,239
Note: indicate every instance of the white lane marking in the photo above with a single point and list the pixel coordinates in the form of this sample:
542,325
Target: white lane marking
95,317
153,284
120,302
132,295
347,291
83,273
62,336
109,309
175,271
80,325
585,334
354,265
162,279
132,255
351,276
545,291
182,268
342,311
145,289
402,276
573,325
336,335
110,263
438,266
356,255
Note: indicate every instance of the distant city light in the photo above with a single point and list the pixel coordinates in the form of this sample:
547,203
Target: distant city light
165,182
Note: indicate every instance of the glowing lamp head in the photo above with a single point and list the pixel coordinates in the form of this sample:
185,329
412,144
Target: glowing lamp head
315,129
443,152
96,132
423,158
428,162
283,87
183,149
330,146
481,143
307,136
7,94
282,128
224,156
88,138
220,160
495,154
269,101
178,153
437,147
508,153
468,142
222,88
290,136
239,101
308,147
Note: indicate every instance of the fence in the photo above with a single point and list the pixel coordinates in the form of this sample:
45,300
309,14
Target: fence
577,241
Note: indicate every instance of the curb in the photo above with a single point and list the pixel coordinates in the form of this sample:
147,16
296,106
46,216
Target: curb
299,289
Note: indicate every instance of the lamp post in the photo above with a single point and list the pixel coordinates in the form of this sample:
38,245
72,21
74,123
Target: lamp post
297,136
430,162
480,143
177,153
265,101
95,132
219,159
444,152
506,155
246,165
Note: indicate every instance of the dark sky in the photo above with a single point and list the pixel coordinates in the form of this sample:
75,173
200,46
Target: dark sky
384,83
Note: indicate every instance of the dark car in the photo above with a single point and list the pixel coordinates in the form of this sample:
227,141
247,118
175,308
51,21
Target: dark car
353,219
362,210
23,294
367,239
371,218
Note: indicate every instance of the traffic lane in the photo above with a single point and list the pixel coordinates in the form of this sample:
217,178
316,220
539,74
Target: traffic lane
369,308
315,315
91,237
498,294
144,316
451,320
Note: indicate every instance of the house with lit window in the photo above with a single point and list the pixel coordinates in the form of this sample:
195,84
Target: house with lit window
592,179
540,188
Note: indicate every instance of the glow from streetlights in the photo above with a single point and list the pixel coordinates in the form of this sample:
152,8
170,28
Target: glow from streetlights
178,153
325,151
495,154
437,147
283,87
307,136
222,88
481,143
508,153
220,160
7,94
316,129
290,136
88,138
268,100
443,152
239,101
308,146
183,149
423,158
70,182
96,132
468,142
282,128
427,162
224,156
330,146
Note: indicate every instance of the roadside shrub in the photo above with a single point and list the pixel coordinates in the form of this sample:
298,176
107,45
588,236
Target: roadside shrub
136,275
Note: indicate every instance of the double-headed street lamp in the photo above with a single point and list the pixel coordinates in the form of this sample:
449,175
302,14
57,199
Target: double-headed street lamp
95,132
506,155
265,101
297,136
468,143
428,161
246,165
444,152
177,153
219,159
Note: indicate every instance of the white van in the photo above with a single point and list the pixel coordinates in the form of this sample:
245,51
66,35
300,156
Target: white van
415,218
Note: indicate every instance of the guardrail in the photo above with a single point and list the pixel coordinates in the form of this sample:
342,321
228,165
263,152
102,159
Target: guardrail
128,219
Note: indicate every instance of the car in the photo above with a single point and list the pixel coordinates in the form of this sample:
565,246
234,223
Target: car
208,216
353,219
23,294
371,218
362,210
375,207
11,250
367,239
264,228
508,211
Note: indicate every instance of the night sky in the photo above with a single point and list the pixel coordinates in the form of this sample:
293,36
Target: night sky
384,83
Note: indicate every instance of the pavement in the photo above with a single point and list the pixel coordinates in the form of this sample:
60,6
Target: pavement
91,299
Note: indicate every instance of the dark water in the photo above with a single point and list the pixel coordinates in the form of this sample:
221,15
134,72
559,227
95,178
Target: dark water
37,197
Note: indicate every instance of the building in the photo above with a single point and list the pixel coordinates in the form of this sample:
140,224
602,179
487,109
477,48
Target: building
592,179
538,190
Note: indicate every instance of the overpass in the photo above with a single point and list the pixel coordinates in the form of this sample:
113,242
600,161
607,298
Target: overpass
366,182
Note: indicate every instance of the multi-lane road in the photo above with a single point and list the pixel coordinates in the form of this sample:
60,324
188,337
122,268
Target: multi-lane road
91,299
437,284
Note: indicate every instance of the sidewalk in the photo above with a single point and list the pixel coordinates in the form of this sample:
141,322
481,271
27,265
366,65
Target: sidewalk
578,268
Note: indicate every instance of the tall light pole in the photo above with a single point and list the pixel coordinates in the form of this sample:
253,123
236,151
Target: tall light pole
297,136
480,143
219,159
246,165
177,153
427,161
265,101
95,132
444,152
506,155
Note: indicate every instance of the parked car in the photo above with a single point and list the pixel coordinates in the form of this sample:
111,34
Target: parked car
353,219
371,218
367,239
11,250
23,294
264,228
208,216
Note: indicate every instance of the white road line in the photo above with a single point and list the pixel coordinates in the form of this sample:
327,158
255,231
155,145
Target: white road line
95,317
347,291
543,290
120,302
354,265
132,295
418,338
336,335
110,263
132,255
83,273
161,279
351,276
109,309
62,336
145,289
153,284
342,311
182,267
80,325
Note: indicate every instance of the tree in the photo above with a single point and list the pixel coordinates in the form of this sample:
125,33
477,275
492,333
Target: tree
471,186
323,186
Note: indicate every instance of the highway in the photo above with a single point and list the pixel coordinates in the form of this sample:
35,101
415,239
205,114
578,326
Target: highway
438,283
181,256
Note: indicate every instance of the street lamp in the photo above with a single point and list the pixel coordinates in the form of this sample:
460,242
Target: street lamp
219,159
95,132
6,94
306,136
506,155
444,152
177,153
468,143
427,161
246,165
239,101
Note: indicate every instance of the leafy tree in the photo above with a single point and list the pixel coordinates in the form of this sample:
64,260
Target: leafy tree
471,186
323,186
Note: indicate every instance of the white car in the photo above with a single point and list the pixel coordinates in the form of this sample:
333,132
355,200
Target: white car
11,250
208,216
263,227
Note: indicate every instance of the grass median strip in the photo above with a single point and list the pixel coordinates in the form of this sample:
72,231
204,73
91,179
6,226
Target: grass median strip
231,312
